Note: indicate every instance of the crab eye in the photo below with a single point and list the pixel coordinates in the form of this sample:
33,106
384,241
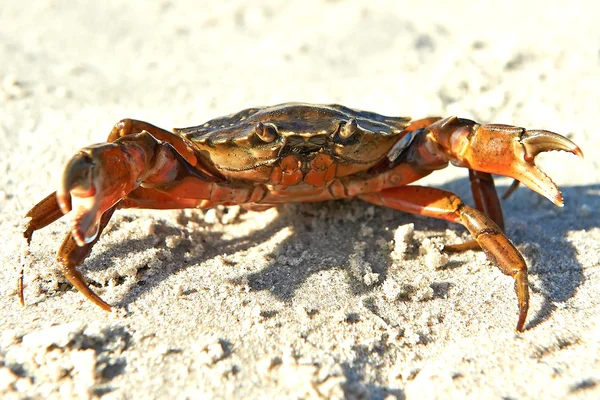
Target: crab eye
266,132
347,130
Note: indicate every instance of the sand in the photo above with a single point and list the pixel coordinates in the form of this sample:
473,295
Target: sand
331,300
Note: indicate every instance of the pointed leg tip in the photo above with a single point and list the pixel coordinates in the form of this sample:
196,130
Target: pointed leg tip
558,200
521,323
28,234
97,300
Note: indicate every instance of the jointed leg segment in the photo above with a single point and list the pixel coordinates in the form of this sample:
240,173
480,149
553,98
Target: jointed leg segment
487,201
70,255
445,205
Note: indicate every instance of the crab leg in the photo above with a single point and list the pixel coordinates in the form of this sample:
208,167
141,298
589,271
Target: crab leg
42,214
445,205
128,126
70,255
487,201
155,200
486,197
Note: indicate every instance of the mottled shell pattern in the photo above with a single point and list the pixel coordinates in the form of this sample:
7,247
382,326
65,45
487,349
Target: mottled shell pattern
263,137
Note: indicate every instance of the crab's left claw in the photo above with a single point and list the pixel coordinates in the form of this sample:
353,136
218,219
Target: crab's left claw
95,179
78,178
78,187
503,150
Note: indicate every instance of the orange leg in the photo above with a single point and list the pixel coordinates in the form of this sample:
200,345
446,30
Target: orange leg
487,201
128,126
70,255
42,214
131,126
486,197
445,205
155,200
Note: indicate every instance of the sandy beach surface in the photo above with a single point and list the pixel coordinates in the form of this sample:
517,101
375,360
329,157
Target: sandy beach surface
328,300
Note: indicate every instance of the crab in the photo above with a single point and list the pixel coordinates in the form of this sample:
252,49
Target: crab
295,152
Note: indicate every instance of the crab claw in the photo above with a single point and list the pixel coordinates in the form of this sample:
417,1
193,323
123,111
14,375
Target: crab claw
502,149
535,142
77,177
94,180
78,192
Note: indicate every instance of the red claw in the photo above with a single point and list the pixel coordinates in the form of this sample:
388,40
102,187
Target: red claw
93,181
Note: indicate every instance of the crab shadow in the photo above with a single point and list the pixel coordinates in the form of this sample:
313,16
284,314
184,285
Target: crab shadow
342,228
540,229
287,266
